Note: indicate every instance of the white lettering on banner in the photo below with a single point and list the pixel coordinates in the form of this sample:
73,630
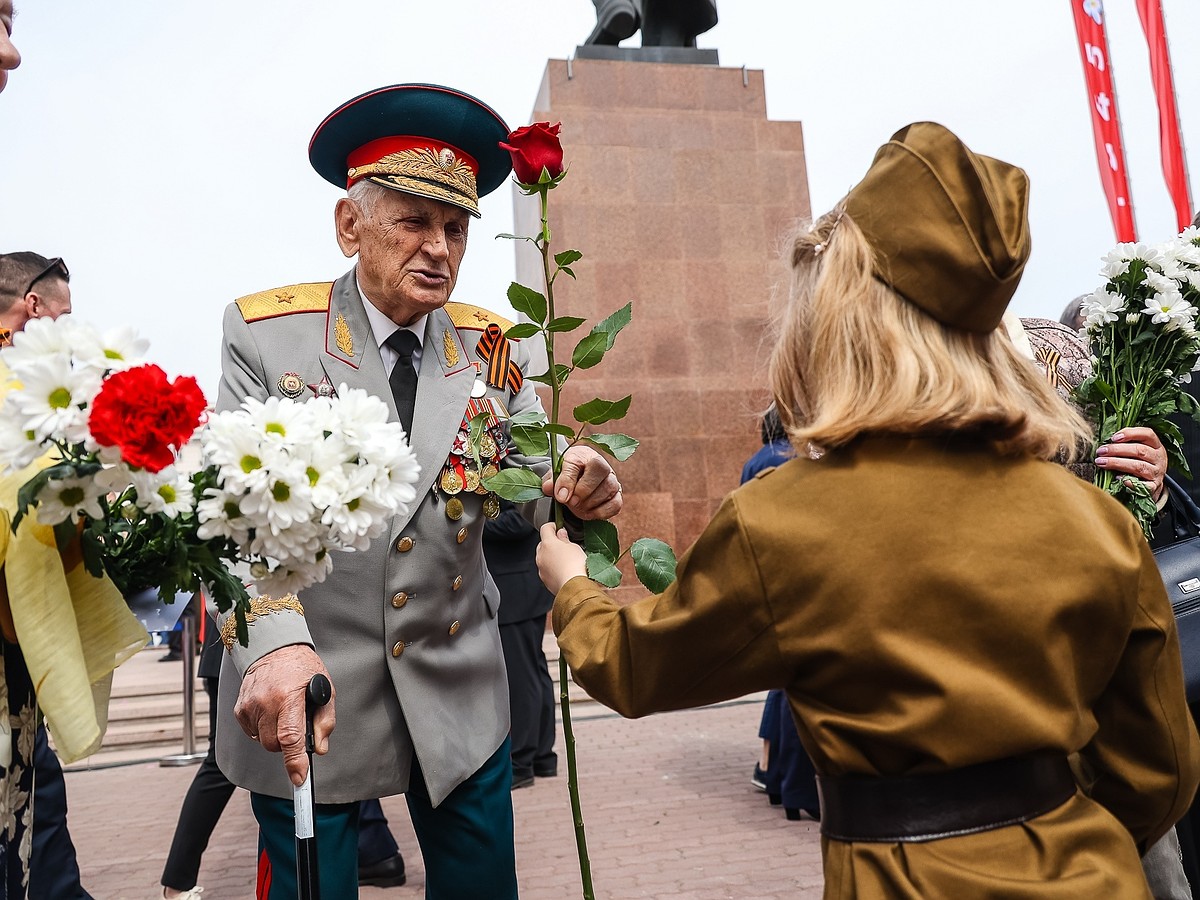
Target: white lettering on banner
1095,55
1103,106
1112,157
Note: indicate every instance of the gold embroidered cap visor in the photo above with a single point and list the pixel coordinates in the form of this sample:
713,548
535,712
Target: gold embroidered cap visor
950,228
422,139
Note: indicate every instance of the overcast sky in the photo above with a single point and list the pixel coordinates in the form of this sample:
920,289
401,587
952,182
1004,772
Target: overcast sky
160,147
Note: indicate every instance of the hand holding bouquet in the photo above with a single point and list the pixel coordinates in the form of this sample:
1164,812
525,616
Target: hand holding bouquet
1141,329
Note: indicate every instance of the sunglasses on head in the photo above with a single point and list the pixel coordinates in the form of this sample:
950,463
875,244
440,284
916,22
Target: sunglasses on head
56,266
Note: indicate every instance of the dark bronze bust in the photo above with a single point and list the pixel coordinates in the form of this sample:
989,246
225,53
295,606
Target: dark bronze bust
664,23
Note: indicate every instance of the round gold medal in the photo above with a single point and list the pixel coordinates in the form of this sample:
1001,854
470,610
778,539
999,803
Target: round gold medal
454,509
472,480
491,506
488,471
487,446
451,482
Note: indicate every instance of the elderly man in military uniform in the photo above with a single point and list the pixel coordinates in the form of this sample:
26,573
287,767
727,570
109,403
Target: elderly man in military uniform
406,630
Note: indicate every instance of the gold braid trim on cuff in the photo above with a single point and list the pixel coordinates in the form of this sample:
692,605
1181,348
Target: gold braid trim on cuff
259,607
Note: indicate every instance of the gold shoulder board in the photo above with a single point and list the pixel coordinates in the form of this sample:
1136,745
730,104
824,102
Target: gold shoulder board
284,301
464,315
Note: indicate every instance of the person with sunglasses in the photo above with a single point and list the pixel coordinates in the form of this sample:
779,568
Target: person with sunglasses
31,286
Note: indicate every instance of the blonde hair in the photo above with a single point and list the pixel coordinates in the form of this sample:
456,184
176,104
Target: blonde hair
853,358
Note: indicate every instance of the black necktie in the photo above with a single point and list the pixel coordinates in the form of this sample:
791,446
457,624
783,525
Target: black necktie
404,377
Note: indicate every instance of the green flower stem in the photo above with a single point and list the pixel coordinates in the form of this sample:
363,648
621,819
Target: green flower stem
585,866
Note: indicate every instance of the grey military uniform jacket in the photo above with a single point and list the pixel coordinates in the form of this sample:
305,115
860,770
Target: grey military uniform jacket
407,628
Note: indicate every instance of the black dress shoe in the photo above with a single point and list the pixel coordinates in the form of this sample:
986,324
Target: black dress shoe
520,781
386,873
549,770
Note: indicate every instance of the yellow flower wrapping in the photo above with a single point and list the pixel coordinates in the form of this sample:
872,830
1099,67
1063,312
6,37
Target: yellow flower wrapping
73,629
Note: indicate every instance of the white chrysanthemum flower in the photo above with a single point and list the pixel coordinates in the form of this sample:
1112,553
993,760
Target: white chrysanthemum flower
1159,282
237,449
1147,253
281,420
64,498
40,338
1132,318
1101,307
1114,266
326,469
300,542
52,397
19,446
1169,307
220,515
286,500
114,351
168,492
355,412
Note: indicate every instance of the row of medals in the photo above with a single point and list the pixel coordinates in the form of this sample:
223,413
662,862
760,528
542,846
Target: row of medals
461,474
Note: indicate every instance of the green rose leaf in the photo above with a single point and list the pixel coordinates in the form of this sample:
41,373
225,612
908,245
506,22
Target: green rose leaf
601,569
564,323
517,485
528,417
531,441
528,301
566,257
563,430
568,270
589,351
613,324
516,237
544,378
619,446
600,537
654,563
522,330
597,412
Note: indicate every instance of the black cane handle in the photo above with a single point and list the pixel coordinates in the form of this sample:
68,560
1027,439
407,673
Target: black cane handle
316,695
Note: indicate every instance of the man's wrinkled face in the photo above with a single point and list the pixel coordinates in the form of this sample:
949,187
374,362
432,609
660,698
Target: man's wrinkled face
409,249
9,57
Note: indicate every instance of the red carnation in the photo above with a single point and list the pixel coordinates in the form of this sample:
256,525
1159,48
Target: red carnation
533,148
146,416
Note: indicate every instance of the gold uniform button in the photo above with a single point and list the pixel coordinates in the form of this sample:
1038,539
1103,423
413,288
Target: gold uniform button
457,583
454,626
399,599
462,535
398,648
404,544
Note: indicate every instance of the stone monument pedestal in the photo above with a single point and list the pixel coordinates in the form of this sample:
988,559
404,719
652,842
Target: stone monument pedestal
679,196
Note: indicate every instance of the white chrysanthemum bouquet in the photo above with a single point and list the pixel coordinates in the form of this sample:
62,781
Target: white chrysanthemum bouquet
278,485
1141,328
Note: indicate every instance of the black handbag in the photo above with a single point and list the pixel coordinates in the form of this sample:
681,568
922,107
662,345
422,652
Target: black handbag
1179,566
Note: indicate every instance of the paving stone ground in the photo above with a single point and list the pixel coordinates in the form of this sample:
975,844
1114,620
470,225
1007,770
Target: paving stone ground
669,809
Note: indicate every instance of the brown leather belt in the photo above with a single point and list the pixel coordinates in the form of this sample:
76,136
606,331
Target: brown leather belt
883,809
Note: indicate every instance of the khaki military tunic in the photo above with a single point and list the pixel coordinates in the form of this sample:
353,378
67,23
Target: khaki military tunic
928,604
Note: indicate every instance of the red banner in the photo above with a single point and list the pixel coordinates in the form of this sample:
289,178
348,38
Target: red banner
1093,46
1173,162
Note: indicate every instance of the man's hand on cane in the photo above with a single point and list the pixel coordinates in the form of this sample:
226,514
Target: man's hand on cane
270,706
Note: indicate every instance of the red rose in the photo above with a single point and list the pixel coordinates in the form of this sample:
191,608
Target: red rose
146,416
533,148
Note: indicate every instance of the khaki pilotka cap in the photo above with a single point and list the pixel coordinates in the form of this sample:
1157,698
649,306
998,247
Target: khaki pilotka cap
950,228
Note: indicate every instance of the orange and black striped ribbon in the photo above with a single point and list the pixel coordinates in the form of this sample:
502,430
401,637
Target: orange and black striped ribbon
496,351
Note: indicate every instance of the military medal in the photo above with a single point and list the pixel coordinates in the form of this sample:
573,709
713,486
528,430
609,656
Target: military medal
451,481
472,480
491,506
454,509
322,388
291,385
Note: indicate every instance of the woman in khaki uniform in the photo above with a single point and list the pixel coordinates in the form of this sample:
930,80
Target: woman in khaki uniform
951,613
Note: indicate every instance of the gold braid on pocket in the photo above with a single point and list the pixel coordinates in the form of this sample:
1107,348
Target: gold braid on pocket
259,607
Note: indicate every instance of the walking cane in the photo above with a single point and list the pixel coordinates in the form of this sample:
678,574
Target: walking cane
308,885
